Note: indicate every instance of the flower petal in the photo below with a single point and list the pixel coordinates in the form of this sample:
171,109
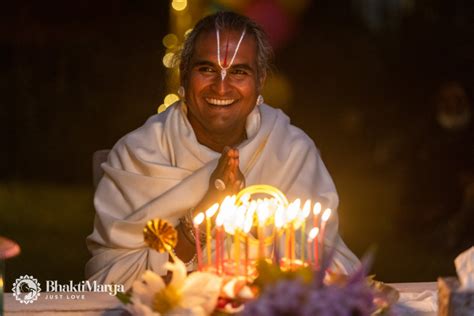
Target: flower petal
146,287
179,273
201,289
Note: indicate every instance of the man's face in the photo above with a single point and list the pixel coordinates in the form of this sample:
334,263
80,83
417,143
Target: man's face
215,105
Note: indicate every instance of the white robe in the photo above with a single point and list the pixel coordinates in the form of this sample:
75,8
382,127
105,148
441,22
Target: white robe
161,171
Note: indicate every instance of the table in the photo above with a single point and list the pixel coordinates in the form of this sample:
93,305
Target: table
415,299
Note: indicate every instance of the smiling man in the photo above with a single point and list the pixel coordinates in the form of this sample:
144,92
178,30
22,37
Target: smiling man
219,138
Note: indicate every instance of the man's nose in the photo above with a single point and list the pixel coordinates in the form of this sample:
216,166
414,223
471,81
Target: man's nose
221,85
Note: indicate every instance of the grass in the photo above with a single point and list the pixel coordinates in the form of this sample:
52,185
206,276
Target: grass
50,223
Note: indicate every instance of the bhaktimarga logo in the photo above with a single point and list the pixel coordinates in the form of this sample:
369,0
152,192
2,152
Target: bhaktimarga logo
26,289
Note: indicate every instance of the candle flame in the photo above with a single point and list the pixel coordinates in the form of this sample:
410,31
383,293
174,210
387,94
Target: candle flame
212,210
245,199
326,215
313,233
279,221
262,212
306,209
248,222
240,217
317,208
198,219
219,219
252,207
293,209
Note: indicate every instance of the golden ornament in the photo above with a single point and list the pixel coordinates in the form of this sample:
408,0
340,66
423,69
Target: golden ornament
160,235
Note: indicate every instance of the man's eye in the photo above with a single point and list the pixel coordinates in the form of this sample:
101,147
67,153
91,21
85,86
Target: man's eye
238,72
206,69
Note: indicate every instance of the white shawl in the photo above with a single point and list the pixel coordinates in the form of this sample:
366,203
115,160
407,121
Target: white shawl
160,171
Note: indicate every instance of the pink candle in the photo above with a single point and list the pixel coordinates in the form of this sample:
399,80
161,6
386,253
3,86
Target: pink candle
261,245
198,221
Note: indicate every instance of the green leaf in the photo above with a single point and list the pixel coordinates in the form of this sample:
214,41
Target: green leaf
125,298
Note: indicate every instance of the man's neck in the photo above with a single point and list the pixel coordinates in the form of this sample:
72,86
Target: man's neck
217,142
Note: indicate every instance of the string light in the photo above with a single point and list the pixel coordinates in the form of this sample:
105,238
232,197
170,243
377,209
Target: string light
170,41
179,5
168,60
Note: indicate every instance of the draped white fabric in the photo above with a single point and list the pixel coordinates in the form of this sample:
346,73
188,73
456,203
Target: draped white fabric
161,171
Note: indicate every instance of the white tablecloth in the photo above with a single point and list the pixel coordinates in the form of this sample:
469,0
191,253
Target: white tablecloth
415,299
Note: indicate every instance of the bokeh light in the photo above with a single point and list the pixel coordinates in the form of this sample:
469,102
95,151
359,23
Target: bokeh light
168,60
170,99
170,41
161,108
179,5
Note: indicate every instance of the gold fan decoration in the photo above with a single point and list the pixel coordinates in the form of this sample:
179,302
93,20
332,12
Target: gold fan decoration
160,235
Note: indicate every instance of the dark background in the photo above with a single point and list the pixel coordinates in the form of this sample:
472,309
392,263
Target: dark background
76,76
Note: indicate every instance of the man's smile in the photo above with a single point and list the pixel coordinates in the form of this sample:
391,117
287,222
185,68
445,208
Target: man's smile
220,102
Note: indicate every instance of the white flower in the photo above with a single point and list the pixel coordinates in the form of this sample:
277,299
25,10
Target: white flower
193,295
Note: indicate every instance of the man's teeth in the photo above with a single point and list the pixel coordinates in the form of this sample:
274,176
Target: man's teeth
220,102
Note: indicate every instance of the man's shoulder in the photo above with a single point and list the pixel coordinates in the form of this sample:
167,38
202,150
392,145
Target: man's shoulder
147,134
292,132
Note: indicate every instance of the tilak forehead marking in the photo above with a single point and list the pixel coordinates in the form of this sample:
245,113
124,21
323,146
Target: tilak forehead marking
226,66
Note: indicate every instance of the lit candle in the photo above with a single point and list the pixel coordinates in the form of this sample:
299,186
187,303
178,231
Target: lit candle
304,215
246,230
293,210
198,221
324,220
313,233
262,214
316,213
209,213
239,224
229,211
279,221
219,243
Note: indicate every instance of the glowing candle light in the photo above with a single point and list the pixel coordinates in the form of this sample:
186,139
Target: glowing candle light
262,214
246,230
198,221
279,222
219,243
313,233
324,220
239,224
293,210
209,213
304,215
229,212
316,213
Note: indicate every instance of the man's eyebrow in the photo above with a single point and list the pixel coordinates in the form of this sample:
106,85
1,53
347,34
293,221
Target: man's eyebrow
243,66
203,63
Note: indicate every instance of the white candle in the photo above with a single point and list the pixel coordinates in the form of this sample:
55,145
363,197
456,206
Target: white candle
324,220
313,233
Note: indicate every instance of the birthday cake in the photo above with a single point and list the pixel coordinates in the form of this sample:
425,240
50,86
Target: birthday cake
267,259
